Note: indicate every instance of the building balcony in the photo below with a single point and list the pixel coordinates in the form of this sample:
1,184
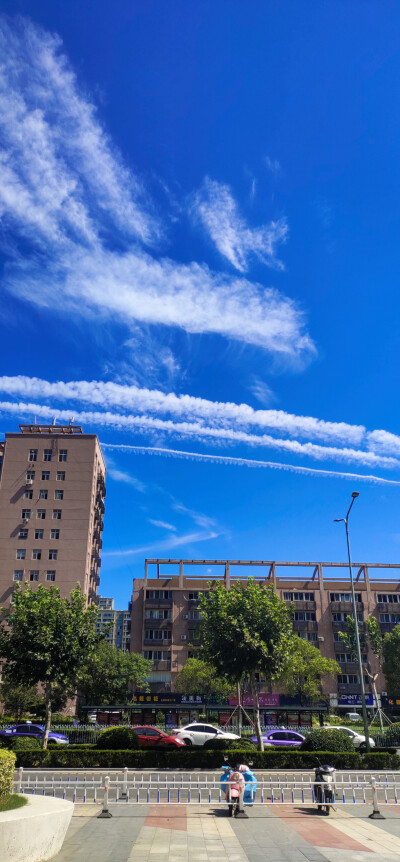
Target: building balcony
162,665
303,606
388,608
157,624
305,626
346,607
387,627
158,603
157,644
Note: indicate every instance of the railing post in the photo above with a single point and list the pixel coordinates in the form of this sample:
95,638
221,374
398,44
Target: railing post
240,811
20,776
376,814
105,813
124,791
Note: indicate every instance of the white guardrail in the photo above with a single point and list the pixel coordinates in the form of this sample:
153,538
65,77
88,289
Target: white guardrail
132,787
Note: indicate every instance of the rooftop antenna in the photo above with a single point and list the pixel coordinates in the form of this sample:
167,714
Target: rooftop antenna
54,421
71,421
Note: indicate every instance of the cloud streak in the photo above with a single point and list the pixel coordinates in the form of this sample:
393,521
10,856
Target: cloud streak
247,462
84,218
218,212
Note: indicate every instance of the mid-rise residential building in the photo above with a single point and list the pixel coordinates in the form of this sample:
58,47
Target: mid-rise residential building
115,624
52,490
166,615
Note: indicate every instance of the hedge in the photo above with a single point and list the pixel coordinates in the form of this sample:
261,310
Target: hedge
334,740
117,738
7,766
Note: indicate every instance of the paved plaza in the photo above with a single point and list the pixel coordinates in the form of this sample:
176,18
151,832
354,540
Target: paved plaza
162,833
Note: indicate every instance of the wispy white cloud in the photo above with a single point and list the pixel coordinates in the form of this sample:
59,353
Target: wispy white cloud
247,462
121,476
261,391
65,189
273,165
219,214
163,525
221,414
165,545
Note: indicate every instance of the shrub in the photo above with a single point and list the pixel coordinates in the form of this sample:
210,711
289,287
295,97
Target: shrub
327,740
116,738
229,744
24,743
391,734
7,766
381,760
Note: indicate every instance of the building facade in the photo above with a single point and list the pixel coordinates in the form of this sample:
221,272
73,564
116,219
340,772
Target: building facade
52,490
116,624
166,616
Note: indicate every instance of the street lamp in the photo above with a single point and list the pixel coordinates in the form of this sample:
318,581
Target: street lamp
357,637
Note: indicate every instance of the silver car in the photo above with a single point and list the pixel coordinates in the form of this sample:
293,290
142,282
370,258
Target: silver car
198,734
358,739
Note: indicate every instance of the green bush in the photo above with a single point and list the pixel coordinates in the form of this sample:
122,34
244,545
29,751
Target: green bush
381,760
116,738
25,743
7,766
229,744
186,760
329,740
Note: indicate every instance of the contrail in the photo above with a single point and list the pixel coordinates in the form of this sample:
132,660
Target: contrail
246,462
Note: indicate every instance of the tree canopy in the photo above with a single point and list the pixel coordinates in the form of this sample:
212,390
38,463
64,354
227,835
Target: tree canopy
391,661
109,675
199,676
246,630
46,639
305,669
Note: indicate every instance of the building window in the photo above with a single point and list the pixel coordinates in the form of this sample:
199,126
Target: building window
38,534
36,554
23,534
18,574
50,575
389,618
157,634
344,597
303,616
194,615
30,475
60,475
34,575
57,514
54,534
62,455
26,514
43,494
388,598
21,553
33,454
348,679
45,475
41,514
28,495
158,614
53,554
307,636
298,597
58,495
158,594
193,597
47,455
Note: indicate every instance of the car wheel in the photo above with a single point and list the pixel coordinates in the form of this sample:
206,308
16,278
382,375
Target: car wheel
362,748
188,742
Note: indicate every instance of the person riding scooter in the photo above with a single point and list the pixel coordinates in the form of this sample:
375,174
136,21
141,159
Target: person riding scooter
233,781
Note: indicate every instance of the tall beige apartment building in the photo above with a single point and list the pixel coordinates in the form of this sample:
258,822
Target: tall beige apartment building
52,490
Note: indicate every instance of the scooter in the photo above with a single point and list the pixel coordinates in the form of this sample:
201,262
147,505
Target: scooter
324,787
242,778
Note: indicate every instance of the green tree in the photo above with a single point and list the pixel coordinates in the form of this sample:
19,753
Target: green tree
108,675
305,669
391,661
244,631
371,638
200,677
44,639
19,699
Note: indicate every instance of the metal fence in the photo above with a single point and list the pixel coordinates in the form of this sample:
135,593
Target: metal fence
135,788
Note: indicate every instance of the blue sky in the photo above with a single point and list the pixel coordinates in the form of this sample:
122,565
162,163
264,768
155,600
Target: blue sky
199,243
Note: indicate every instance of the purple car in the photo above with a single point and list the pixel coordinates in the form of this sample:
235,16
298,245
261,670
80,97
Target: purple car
289,738
33,730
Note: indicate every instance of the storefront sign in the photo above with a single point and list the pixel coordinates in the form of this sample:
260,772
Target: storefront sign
168,698
355,700
263,700
387,702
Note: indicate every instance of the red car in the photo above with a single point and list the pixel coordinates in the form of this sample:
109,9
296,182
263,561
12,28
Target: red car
151,737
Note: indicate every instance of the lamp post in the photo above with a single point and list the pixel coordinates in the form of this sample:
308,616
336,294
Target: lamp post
356,632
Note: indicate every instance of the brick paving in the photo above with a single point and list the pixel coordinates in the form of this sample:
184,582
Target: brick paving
162,833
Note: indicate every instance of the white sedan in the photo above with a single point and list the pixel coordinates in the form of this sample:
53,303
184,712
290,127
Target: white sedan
358,739
199,734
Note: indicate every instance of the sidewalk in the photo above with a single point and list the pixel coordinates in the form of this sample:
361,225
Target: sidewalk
162,833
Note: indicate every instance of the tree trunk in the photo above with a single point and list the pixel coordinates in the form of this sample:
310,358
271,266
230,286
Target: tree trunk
47,699
239,706
256,709
376,701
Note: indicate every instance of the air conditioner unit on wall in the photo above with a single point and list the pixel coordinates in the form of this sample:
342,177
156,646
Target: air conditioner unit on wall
29,482
183,637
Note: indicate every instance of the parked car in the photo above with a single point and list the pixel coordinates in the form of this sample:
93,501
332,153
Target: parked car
33,730
353,716
283,736
149,737
198,734
358,739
